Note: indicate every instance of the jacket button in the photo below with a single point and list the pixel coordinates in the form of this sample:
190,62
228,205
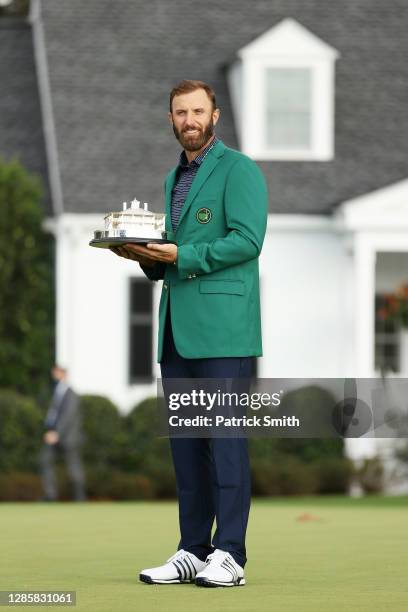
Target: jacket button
164,286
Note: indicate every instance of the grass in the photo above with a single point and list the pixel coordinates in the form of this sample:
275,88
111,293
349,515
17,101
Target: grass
347,554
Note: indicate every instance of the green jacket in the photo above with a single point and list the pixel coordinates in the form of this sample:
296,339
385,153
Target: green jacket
214,288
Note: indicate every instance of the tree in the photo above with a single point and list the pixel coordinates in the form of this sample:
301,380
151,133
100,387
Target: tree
26,283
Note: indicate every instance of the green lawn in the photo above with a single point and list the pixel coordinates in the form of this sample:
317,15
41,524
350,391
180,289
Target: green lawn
352,554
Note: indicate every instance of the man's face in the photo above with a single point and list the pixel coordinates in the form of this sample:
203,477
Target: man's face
193,119
57,374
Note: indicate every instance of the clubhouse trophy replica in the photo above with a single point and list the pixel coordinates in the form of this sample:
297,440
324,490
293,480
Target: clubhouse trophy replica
133,224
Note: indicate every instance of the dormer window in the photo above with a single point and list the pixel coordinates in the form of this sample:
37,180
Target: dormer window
288,108
282,92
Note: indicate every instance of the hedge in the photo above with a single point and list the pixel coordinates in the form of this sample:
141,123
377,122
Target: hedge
124,458
21,429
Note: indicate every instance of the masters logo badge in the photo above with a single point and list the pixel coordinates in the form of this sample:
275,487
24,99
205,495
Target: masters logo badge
203,215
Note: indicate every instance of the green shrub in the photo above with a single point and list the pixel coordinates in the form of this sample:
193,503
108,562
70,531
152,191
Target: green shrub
124,457
130,486
20,486
289,466
146,453
26,283
104,434
117,485
140,426
370,475
286,475
21,431
263,448
311,449
334,474
157,465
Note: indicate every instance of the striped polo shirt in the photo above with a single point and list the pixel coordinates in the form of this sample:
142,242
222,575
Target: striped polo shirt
185,175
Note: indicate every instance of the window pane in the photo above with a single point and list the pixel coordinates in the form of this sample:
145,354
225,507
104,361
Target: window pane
140,329
140,296
288,107
386,339
140,351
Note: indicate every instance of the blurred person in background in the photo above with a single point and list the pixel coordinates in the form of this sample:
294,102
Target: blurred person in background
63,434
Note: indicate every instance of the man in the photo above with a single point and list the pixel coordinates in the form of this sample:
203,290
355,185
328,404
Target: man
62,433
209,327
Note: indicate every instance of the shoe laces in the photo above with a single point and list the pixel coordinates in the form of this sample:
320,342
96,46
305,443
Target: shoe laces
178,555
218,556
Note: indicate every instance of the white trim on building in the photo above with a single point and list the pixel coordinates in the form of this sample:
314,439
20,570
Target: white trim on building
375,222
47,110
286,46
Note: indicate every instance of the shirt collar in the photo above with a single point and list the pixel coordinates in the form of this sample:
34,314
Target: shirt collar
61,387
183,162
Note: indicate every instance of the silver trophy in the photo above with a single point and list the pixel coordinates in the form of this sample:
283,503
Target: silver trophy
134,224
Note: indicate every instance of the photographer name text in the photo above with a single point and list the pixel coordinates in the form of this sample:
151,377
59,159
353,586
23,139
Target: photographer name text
222,421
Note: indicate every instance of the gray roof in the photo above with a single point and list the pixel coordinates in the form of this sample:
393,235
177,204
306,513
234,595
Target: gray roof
21,132
112,65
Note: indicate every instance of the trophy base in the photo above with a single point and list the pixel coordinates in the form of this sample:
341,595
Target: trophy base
107,243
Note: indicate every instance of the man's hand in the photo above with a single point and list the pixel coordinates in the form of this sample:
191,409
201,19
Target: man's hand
51,437
148,255
123,251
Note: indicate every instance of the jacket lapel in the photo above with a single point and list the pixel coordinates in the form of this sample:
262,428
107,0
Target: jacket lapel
207,166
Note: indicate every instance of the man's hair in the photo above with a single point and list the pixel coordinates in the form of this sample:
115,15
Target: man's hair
187,86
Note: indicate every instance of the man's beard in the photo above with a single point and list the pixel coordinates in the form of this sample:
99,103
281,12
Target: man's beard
196,142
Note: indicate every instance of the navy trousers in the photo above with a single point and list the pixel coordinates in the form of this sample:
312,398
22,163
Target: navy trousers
213,475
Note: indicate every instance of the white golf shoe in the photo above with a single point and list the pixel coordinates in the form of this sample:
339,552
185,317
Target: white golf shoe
181,567
221,571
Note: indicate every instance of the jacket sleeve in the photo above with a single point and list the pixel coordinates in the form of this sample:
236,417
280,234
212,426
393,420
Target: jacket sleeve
246,209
